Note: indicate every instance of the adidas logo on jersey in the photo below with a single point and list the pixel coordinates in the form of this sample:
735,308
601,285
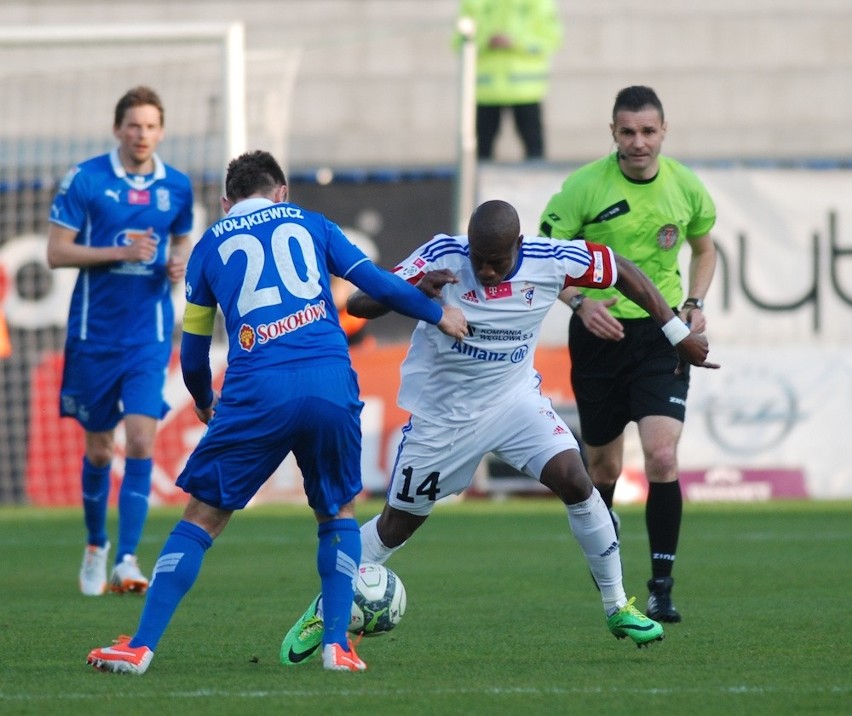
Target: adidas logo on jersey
470,296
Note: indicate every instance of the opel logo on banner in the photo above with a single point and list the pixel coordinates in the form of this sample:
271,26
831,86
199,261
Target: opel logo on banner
754,411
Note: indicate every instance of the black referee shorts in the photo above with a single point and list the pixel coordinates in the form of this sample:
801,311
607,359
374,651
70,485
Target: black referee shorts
616,382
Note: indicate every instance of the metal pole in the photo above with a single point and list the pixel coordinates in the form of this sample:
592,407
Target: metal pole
234,76
465,190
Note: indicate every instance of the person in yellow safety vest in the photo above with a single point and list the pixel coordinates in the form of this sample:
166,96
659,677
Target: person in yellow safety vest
515,41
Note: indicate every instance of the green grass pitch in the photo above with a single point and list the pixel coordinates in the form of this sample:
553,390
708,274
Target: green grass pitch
502,618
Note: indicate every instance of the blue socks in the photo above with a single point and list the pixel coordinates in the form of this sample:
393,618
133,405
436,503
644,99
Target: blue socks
95,498
133,504
338,557
173,576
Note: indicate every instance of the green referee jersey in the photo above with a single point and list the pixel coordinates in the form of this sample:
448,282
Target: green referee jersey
646,222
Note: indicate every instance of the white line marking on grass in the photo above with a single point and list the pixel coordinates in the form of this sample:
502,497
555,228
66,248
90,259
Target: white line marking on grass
371,693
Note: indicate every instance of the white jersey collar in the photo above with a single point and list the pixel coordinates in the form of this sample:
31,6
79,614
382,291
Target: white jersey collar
247,206
119,170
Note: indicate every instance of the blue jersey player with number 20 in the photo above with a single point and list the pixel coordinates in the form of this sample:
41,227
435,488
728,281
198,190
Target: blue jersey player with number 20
289,387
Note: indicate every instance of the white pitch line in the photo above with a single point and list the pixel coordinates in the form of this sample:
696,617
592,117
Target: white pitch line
491,691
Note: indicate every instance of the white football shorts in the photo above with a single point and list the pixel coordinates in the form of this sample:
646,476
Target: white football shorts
435,460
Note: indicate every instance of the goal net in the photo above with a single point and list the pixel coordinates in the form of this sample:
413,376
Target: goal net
59,89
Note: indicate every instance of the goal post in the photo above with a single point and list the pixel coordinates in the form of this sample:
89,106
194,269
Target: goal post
59,86
86,46
465,189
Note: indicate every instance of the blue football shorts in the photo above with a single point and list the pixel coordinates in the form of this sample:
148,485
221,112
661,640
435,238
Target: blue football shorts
315,413
101,384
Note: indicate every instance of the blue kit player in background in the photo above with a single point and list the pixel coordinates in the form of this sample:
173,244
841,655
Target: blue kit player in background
289,386
124,220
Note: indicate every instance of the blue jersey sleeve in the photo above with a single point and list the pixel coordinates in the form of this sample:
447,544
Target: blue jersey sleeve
182,224
195,366
349,262
70,203
197,288
342,253
393,291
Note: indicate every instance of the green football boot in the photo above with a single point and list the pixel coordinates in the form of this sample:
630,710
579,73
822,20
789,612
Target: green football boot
304,638
630,622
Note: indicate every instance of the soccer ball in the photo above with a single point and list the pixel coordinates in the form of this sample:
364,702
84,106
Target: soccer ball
379,600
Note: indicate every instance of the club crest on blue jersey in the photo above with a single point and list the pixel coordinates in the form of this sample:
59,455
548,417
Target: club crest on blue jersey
164,202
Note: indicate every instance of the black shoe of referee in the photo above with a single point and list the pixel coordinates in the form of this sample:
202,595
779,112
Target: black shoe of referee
660,607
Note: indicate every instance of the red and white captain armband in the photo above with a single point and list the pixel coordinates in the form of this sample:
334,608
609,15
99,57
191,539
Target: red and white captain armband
675,330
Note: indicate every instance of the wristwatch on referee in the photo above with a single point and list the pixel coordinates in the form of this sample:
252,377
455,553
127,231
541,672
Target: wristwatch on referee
694,303
576,301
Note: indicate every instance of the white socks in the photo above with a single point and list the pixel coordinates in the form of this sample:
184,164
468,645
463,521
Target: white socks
372,547
591,525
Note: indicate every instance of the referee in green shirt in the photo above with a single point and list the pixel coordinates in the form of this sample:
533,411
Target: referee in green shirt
646,207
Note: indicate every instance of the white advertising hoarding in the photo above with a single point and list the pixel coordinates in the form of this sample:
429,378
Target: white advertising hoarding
779,321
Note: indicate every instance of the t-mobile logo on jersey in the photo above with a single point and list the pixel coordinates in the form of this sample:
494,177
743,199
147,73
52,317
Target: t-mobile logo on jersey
501,290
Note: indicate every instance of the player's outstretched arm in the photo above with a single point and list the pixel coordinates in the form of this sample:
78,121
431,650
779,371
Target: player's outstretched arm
635,284
363,305
372,299
453,323
392,291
